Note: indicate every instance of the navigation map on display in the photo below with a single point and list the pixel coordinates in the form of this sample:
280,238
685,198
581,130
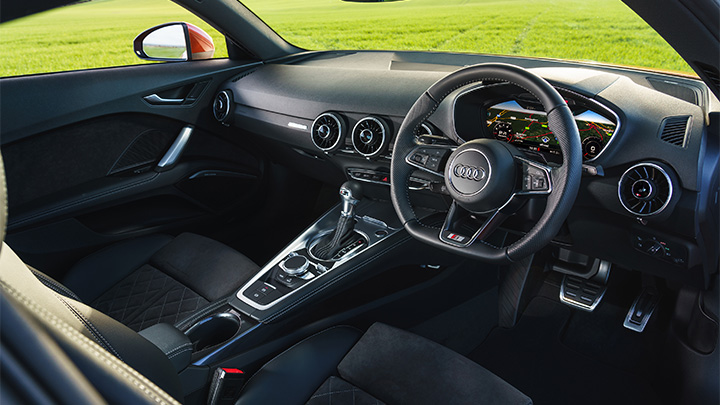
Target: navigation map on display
526,128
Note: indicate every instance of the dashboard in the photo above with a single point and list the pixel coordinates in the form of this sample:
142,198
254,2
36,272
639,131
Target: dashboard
647,179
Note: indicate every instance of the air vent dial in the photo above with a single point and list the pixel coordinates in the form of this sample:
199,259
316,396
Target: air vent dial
328,132
645,189
221,106
370,136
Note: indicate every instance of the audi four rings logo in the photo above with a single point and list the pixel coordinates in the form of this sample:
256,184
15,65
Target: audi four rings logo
469,172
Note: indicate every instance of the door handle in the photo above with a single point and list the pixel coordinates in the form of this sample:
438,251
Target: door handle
155,99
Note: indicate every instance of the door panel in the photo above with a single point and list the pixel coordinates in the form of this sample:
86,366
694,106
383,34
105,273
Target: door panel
81,151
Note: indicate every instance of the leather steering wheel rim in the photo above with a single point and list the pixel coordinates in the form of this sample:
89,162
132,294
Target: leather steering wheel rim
565,178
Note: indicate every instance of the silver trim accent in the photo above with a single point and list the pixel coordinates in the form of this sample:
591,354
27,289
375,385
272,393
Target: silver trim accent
426,128
348,202
321,227
341,134
601,277
157,100
664,173
384,128
489,171
295,125
471,239
216,173
468,172
176,149
298,271
643,322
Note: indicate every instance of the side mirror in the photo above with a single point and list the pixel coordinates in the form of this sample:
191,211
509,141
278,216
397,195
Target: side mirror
177,41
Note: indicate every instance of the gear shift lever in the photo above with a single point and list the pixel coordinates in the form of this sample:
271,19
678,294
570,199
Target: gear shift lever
328,246
351,193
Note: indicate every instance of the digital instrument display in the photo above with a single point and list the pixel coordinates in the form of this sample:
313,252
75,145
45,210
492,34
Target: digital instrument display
528,129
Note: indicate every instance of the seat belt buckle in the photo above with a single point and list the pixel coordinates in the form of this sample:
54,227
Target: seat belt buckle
225,386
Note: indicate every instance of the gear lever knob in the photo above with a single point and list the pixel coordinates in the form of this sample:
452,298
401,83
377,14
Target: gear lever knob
350,193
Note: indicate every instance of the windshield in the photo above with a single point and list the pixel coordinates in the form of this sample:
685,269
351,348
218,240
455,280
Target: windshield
605,31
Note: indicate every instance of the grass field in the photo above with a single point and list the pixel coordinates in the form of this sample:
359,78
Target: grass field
100,32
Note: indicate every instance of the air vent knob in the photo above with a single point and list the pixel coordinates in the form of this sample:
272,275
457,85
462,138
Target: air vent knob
221,106
643,189
328,132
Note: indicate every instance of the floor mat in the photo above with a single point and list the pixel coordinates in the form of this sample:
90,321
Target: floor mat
463,326
532,357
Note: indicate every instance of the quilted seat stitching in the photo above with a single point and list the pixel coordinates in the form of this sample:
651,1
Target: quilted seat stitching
139,315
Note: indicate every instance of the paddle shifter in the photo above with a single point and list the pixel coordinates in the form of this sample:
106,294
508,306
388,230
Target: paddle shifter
330,245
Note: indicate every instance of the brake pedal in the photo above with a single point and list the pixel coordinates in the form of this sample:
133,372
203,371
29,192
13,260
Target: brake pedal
583,293
642,309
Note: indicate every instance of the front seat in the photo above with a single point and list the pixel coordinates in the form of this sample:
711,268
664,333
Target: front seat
156,278
341,366
58,348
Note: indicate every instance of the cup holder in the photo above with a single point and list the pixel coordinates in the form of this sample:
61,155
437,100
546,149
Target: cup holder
213,330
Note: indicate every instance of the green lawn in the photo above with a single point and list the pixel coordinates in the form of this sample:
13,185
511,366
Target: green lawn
100,33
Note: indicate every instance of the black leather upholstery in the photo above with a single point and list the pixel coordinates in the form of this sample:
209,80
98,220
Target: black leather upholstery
385,365
18,281
157,279
175,344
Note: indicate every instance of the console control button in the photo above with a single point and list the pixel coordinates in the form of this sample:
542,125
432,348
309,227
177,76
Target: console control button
262,293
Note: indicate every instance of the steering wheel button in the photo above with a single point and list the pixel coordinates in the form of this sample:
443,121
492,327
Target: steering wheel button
433,163
538,183
420,158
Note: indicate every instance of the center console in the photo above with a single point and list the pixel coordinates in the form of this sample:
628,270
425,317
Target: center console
336,245
349,243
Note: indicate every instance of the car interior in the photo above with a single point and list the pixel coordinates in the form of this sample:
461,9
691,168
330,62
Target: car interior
294,226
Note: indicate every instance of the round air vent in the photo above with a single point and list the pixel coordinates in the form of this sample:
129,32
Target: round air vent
327,132
369,136
221,106
645,189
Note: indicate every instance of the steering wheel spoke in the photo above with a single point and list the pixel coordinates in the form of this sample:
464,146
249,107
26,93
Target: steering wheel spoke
430,158
535,178
458,222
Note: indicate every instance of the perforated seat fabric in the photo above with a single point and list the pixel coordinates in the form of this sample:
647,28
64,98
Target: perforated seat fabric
157,278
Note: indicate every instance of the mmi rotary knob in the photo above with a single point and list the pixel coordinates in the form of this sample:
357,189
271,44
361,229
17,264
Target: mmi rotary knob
295,265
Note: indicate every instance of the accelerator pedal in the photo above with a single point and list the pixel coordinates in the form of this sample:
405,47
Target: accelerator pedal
642,309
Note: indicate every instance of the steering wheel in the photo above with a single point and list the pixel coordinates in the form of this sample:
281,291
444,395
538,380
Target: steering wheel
488,176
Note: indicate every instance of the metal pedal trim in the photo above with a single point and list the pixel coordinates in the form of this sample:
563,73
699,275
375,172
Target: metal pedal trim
578,302
597,282
639,327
